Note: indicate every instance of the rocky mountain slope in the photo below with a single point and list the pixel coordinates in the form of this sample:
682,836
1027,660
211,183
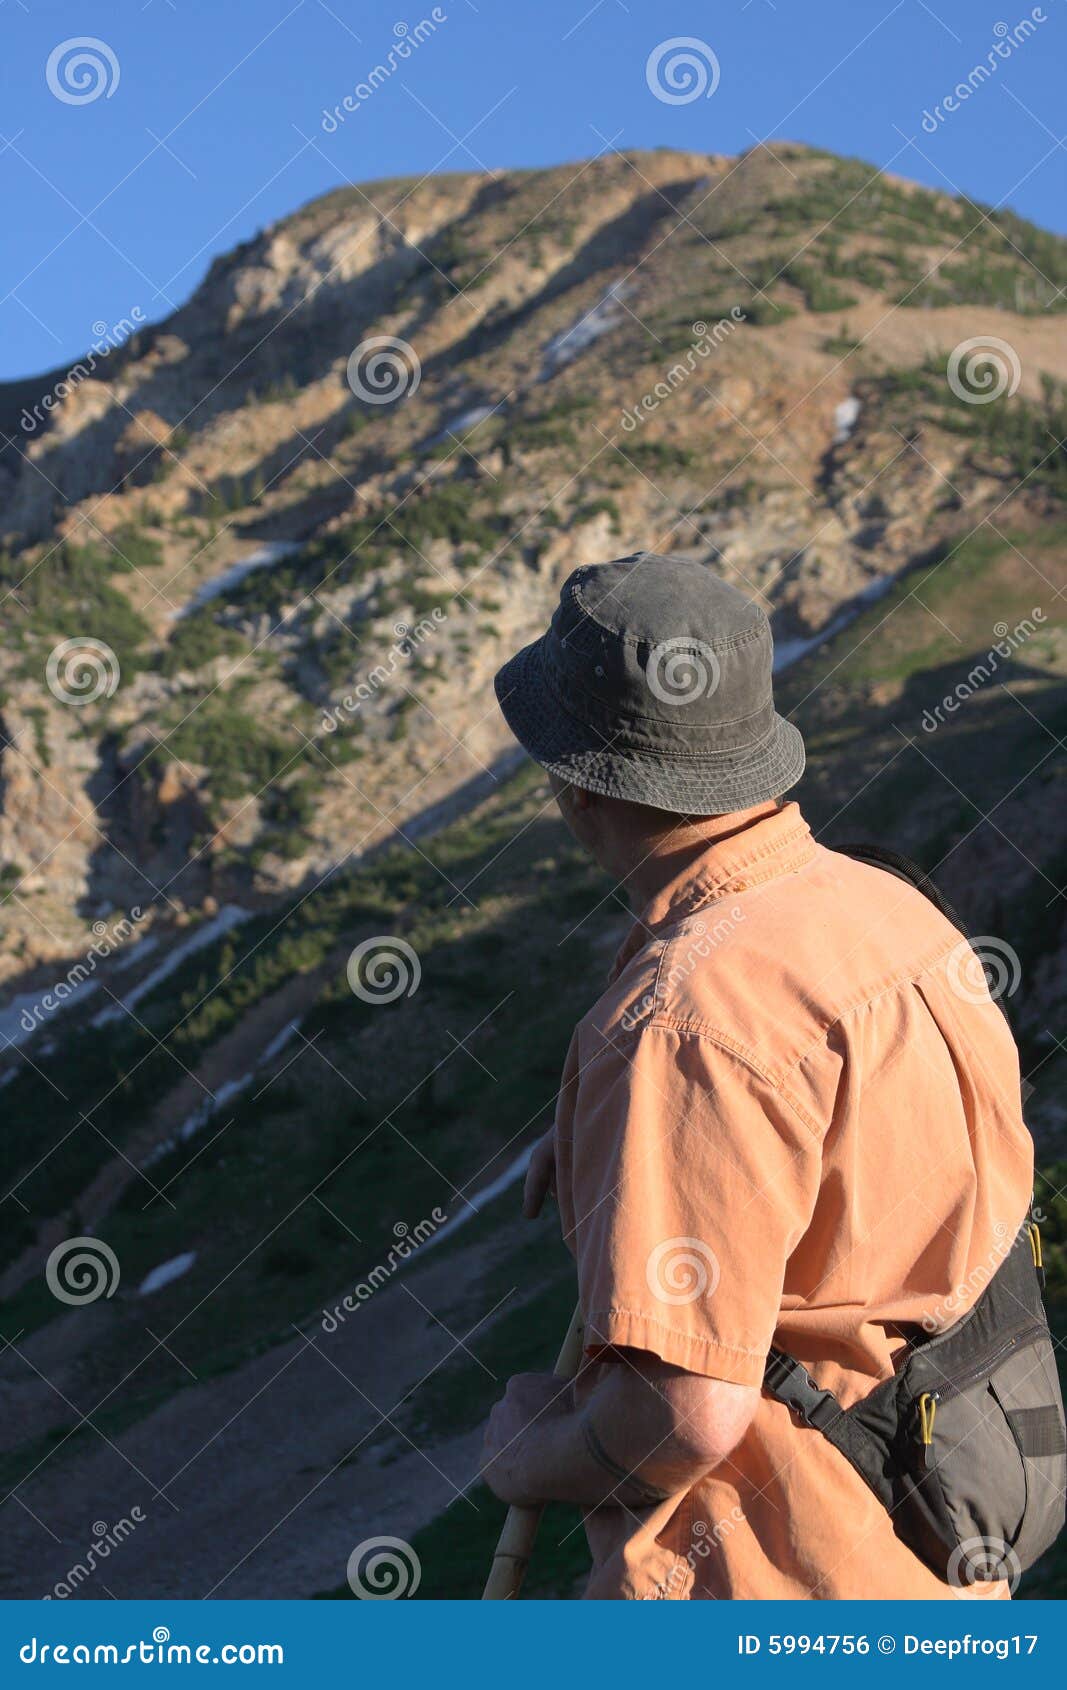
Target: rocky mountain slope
741,360
283,744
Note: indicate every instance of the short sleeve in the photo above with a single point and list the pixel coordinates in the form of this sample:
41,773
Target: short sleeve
686,1181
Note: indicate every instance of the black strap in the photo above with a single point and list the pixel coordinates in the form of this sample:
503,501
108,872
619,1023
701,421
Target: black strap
789,1381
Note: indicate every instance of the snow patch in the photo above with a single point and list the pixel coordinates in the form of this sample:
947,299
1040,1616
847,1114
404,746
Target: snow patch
563,348
481,1199
465,420
788,652
273,551
229,916
14,1033
846,416
278,1043
199,1117
166,1272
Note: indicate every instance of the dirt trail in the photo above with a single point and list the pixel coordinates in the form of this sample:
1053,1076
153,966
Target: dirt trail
275,1472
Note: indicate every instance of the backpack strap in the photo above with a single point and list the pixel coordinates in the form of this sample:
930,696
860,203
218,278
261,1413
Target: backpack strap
789,1382
785,1378
905,868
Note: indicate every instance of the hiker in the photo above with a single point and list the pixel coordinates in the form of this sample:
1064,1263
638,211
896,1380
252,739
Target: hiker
791,1126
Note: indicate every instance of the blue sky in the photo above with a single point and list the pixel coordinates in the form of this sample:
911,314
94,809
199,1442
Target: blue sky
213,127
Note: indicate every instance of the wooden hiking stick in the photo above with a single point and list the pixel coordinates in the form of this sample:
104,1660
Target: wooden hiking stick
516,1541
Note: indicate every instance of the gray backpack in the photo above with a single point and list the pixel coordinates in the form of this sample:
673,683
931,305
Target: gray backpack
965,1445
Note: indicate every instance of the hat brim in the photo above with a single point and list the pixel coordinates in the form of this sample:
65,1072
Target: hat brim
697,785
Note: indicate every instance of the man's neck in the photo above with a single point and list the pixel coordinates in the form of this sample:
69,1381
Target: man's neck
659,857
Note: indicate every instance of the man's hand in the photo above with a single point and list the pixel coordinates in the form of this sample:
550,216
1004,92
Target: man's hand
540,1175
512,1432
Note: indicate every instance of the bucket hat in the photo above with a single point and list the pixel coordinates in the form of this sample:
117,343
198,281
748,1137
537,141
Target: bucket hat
653,683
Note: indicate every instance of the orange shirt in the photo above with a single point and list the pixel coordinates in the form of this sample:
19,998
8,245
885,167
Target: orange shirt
793,1117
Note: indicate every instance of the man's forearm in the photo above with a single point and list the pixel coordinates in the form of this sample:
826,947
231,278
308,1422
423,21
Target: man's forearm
566,1460
621,1448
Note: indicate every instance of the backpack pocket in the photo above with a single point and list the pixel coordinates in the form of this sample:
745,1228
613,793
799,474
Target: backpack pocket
983,1457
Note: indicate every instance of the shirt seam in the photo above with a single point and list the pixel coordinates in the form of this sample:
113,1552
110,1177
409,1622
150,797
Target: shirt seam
675,1331
910,975
733,1047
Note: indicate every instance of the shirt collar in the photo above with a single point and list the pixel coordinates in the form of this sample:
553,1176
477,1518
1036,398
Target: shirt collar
732,860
